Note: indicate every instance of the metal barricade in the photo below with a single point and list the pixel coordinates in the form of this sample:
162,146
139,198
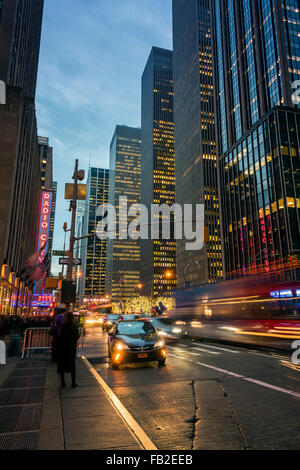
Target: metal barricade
36,339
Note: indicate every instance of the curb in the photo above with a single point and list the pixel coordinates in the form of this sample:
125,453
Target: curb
131,423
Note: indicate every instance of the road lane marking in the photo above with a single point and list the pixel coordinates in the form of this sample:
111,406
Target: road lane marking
174,348
205,350
222,349
248,379
194,354
131,423
224,371
180,357
279,389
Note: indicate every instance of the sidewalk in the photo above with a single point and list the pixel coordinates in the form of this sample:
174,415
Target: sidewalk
35,414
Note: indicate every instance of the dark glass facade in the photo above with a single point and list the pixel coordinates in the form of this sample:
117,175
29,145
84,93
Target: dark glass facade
261,198
93,250
20,34
195,139
123,256
257,60
158,168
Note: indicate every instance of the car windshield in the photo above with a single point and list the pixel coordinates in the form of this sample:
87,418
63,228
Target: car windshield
113,317
163,321
135,329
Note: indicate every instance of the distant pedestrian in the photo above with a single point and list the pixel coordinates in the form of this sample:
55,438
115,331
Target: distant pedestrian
67,346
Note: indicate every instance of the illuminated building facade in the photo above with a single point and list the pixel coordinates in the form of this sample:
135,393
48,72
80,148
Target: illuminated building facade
20,177
158,168
123,255
195,137
93,250
52,221
46,164
257,61
261,198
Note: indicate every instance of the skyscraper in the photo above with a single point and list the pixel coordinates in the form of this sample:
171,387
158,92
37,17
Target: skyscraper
123,255
257,50
20,35
158,168
195,139
257,61
20,177
93,250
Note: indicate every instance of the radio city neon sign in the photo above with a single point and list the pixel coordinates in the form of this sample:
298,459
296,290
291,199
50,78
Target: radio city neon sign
44,222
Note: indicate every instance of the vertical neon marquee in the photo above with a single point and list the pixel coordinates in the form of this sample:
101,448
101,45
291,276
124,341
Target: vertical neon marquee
44,223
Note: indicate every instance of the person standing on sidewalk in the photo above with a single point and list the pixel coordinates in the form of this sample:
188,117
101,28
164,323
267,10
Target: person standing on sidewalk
58,322
67,346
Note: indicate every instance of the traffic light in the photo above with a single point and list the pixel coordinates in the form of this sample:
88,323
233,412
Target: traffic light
51,283
68,292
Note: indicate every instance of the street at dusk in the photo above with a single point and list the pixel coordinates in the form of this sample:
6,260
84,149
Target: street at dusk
150,229
206,397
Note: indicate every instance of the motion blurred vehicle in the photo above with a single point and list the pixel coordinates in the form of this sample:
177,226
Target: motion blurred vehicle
133,341
109,320
169,329
259,311
95,320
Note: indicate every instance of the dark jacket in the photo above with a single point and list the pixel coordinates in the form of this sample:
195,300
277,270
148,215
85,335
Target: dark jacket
66,347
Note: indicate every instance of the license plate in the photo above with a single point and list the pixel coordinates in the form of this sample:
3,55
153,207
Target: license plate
142,355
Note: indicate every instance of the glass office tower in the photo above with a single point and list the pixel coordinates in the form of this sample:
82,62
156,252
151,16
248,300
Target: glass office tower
195,140
123,255
158,257
257,61
93,250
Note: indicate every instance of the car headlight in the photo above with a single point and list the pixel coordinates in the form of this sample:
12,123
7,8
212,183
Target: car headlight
121,346
176,330
162,333
159,344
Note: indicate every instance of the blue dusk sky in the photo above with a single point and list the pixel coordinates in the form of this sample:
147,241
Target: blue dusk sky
93,53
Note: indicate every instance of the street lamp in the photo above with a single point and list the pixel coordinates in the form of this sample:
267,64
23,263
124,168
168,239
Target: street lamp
168,274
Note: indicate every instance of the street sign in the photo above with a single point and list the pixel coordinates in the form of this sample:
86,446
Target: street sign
58,253
65,261
69,191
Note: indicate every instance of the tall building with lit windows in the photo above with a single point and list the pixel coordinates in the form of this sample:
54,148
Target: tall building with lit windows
195,137
92,250
257,65
20,177
158,257
123,254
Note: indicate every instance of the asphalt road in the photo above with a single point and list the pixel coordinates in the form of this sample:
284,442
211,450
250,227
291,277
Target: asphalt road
209,396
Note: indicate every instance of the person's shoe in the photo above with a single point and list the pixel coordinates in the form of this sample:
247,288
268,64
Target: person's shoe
74,386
